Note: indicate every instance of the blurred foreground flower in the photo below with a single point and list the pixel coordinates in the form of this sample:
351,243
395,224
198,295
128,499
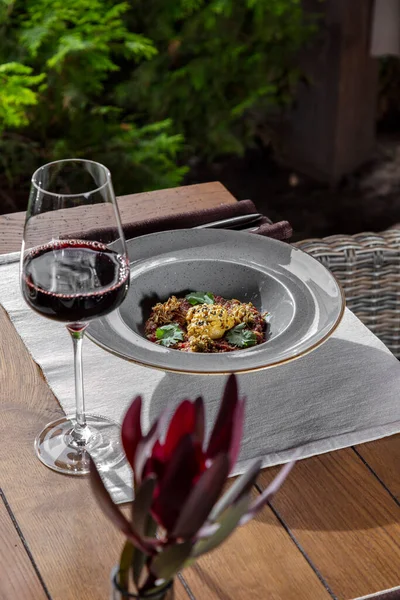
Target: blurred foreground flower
178,513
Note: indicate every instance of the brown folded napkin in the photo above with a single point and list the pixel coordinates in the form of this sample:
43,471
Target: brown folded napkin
278,231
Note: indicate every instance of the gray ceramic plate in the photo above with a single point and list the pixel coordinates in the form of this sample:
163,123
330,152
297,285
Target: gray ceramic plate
304,300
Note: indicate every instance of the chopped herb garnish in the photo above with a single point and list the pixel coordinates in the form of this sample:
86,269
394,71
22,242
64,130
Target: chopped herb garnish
169,335
241,336
200,298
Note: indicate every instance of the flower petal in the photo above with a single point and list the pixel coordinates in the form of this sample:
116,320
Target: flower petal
141,505
168,562
131,431
202,498
242,485
268,493
199,420
228,522
142,466
183,422
112,511
227,431
155,464
237,432
175,487
143,452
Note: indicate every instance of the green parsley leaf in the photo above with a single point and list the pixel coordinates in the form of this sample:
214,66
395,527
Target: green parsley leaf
169,335
241,336
200,298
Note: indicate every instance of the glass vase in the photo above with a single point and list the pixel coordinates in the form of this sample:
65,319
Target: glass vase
165,593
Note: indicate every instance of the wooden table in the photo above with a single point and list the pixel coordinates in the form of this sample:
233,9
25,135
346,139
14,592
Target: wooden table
332,532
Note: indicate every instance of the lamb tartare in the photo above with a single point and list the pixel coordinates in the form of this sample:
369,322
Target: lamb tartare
204,322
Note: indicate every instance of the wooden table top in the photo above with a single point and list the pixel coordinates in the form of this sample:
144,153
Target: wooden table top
333,531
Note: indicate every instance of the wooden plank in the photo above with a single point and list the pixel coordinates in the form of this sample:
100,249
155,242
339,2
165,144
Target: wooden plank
345,521
18,578
136,207
393,594
257,561
383,456
331,129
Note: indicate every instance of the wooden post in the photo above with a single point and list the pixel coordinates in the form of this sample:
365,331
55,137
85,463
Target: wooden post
331,130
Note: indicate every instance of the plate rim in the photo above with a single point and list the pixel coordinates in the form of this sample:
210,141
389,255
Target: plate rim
245,370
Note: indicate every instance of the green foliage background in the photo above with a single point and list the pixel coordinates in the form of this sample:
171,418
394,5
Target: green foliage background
141,86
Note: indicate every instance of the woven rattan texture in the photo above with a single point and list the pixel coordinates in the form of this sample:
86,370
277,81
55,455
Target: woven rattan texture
368,267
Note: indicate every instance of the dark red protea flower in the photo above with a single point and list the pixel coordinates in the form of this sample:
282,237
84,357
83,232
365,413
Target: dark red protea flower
180,461
178,481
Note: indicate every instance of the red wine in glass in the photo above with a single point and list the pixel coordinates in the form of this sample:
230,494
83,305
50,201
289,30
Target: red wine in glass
74,281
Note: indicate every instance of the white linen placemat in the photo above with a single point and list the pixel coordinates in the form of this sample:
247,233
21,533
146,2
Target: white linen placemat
344,393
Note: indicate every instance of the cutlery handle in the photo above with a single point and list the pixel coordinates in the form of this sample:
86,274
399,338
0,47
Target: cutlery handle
231,222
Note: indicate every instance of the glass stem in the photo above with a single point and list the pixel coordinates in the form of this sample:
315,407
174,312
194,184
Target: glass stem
81,432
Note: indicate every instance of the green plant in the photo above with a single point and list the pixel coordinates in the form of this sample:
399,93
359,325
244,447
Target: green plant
17,93
222,67
141,86
178,513
61,92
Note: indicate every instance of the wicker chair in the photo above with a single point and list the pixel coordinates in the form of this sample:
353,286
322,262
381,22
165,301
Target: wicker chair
368,267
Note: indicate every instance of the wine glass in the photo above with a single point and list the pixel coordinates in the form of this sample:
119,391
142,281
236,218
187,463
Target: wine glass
74,268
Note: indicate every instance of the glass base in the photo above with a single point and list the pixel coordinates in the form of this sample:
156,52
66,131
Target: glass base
58,449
